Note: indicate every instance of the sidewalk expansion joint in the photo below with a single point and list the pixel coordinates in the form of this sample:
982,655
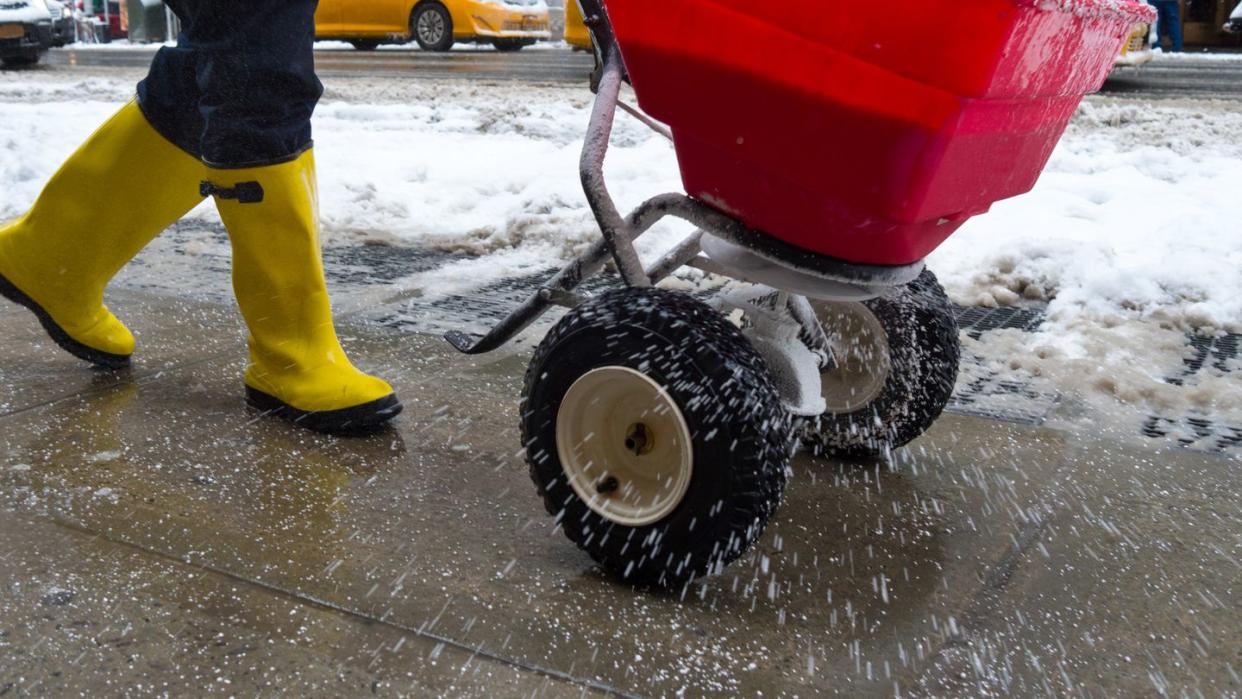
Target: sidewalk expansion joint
327,605
99,390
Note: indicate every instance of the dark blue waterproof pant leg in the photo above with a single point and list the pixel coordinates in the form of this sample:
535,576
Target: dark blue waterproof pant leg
1169,24
239,88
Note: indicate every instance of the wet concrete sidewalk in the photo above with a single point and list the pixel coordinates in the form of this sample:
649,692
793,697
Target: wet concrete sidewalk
156,537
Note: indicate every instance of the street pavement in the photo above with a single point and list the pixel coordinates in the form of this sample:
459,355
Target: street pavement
158,537
1184,77
534,65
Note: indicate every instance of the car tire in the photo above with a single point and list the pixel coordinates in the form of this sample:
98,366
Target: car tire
432,27
511,45
365,44
20,61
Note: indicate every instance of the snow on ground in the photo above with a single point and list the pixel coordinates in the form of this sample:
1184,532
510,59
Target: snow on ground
1137,216
1133,236
1218,56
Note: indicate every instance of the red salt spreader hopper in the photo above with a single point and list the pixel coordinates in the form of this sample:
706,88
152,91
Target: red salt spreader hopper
822,163
873,136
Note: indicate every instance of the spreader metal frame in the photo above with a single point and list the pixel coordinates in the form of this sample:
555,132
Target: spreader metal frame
620,232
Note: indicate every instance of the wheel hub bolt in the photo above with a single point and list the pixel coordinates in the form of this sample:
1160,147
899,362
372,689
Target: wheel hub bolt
638,439
607,485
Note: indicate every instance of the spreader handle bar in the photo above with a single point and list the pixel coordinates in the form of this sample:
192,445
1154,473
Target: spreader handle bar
617,233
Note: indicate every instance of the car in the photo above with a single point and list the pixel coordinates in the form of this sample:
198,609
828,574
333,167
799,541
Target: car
25,31
1234,25
509,25
62,22
576,33
1138,49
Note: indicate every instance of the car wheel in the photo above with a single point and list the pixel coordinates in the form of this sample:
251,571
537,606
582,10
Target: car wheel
20,61
509,45
365,44
432,27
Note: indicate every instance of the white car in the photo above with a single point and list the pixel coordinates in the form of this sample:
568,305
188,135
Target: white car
25,31
1234,25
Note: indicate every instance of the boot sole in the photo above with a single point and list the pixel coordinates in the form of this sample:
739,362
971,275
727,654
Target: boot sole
58,334
358,419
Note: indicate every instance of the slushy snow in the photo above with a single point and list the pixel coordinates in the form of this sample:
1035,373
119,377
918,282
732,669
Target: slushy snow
1133,236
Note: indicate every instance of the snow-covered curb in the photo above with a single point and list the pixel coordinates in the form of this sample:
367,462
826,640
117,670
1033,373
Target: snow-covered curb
1191,56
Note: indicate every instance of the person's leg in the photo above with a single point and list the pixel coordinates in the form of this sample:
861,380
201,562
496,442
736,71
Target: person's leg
169,95
298,369
1175,26
124,186
257,79
1160,22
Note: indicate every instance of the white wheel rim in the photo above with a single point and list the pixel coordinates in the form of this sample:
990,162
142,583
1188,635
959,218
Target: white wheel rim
624,446
860,346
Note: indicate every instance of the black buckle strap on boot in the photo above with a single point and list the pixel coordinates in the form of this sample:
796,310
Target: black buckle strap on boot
243,192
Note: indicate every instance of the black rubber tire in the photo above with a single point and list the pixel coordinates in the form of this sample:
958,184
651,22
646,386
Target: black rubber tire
742,435
20,61
365,44
511,45
925,353
446,42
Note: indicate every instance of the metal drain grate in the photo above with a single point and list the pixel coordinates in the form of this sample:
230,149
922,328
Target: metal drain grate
1221,354
975,320
982,392
1218,353
1197,433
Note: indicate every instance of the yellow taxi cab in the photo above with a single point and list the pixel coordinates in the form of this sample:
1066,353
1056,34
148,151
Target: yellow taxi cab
576,33
1137,50
436,25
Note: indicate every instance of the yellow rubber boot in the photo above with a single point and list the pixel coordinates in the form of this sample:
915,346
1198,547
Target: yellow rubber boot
123,187
297,370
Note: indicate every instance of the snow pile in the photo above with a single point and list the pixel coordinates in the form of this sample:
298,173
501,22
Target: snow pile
1137,217
1133,236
